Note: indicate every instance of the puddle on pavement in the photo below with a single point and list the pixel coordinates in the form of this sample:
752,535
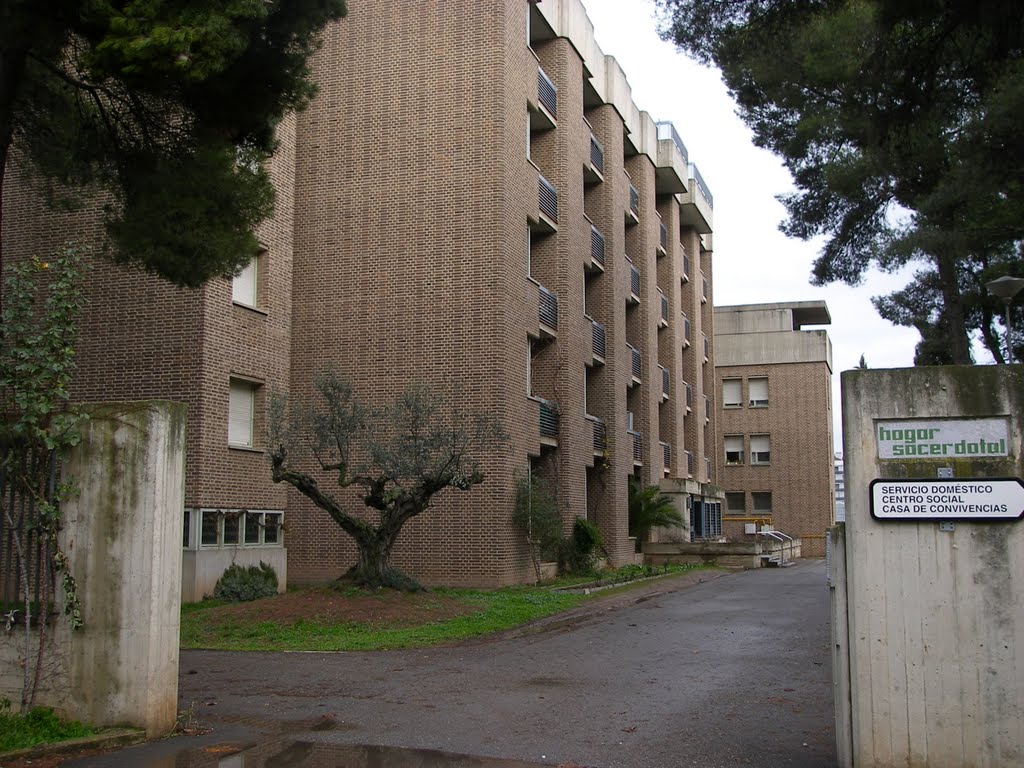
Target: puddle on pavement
291,753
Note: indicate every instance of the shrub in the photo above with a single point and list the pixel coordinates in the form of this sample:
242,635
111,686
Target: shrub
239,583
579,552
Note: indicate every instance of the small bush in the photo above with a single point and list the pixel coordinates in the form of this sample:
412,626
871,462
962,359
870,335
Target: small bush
579,552
240,584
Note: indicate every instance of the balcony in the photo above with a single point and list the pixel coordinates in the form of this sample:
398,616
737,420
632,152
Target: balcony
634,285
666,383
633,213
666,458
663,318
672,166
686,265
598,341
689,462
593,170
597,249
547,311
600,435
548,201
547,93
697,204
662,239
543,105
636,368
548,415
638,448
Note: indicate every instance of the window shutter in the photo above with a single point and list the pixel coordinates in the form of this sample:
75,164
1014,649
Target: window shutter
240,410
734,449
760,449
758,392
243,288
732,393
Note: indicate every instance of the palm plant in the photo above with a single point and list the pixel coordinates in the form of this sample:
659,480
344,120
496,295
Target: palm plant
650,508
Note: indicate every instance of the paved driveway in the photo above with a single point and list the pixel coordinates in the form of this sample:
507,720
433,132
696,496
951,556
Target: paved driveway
734,671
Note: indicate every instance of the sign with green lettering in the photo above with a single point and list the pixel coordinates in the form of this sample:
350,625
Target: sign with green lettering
942,438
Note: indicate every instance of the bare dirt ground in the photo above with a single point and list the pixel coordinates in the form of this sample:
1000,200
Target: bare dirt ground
347,606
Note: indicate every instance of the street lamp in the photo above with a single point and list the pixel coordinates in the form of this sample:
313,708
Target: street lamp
1006,288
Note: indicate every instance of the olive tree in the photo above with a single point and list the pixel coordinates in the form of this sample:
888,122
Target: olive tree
399,458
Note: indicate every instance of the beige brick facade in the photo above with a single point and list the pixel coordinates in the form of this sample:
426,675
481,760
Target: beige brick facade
763,348
412,243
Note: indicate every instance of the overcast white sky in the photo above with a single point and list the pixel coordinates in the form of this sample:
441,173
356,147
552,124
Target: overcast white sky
754,261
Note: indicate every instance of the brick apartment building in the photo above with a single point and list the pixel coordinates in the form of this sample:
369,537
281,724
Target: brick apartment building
472,201
775,384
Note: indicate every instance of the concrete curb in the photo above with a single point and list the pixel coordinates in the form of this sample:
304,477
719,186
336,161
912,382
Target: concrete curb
108,739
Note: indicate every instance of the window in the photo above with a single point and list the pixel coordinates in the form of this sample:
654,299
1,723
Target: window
732,393
734,449
735,503
242,413
758,392
234,527
760,449
762,502
243,287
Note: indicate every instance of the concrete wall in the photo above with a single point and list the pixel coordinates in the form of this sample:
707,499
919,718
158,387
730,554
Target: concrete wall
934,617
122,535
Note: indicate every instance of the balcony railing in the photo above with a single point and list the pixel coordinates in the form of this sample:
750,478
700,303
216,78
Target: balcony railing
548,199
689,462
666,383
548,307
634,201
598,339
667,130
638,448
701,185
666,456
548,418
596,155
547,93
663,237
600,435
634,280
664,311
596,246
636,361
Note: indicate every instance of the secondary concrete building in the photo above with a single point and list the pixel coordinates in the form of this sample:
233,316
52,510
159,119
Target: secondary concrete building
472,201
775,442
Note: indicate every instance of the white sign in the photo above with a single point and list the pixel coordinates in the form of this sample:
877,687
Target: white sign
966,499
942,438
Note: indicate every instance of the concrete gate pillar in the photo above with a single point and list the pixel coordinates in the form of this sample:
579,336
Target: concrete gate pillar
122,533
928,615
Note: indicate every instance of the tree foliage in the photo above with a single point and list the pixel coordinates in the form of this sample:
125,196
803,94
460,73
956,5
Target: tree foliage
170,106
899,122
399,458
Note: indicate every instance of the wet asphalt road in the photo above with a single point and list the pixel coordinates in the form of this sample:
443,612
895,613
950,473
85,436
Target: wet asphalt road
734,671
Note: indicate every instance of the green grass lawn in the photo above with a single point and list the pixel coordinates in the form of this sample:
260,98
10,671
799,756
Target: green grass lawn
40,726
490,611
